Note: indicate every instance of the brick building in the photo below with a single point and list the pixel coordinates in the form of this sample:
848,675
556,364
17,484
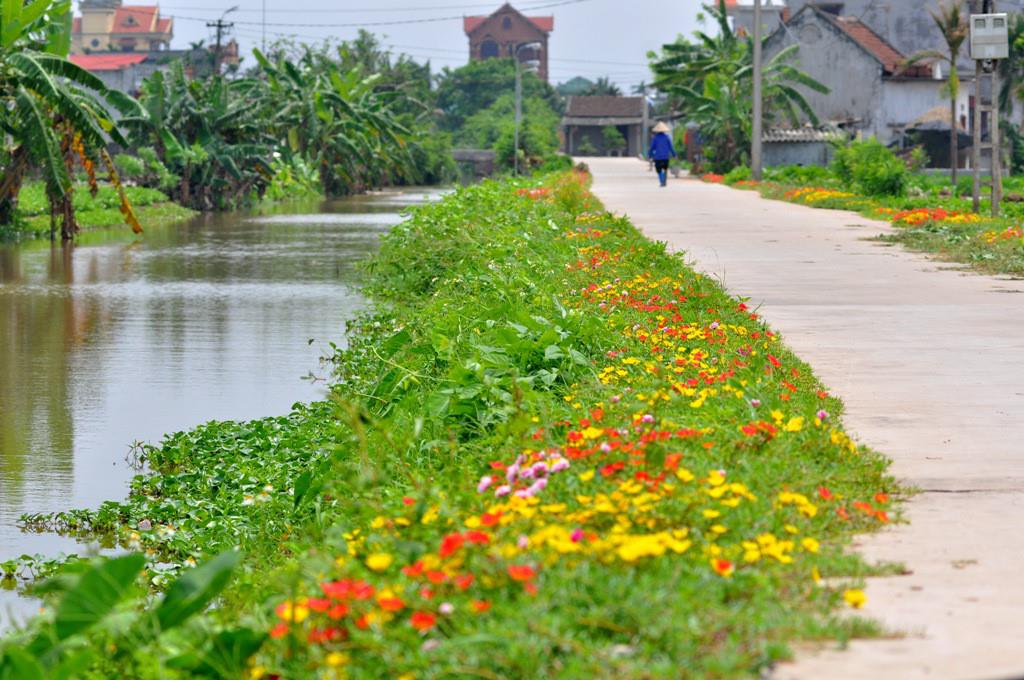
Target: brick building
499,34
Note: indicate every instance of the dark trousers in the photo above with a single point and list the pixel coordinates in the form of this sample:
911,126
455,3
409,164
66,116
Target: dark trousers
662,167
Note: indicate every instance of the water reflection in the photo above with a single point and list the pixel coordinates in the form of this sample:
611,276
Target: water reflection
110,342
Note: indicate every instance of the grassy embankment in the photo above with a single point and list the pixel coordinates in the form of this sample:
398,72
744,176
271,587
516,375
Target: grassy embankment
100,212
553,450
932,218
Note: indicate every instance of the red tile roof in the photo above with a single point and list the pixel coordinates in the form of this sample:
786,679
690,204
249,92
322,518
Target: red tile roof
546,24
106,62
891,58
136,19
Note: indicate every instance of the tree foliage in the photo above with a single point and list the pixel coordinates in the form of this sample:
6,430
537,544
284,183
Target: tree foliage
53,114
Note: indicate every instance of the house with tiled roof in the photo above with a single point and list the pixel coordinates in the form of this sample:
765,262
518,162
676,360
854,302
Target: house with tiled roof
872,90
501,33
110,26
587,117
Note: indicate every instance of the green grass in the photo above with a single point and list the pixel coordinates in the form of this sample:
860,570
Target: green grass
698,477
100,212
985,246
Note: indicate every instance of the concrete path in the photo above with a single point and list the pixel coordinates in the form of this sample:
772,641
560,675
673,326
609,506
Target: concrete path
930,364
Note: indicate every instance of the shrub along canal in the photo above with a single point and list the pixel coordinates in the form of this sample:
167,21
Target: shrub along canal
109,342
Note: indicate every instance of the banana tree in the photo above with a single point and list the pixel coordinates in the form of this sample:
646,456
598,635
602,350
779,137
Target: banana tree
55,113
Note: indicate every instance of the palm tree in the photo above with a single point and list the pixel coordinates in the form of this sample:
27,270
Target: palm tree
55,112
952,23
603,87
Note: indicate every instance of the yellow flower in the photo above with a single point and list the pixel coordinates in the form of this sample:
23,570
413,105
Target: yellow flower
816,575
684,475
809,544
335,659
795,424
379,561
711,514
587,476
855,598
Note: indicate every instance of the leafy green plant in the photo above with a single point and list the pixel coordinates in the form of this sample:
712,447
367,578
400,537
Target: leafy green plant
871,167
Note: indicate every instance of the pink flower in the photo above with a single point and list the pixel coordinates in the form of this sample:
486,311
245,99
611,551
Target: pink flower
526,473
755,402
503,490
822,414
560,464
524,493
615,399
714,325
523,543
606,447
537,486
647,418
539,469
577,535
485,483
446,608
512,472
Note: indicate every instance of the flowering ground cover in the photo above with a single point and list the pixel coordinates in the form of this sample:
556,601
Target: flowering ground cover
553,450
931,221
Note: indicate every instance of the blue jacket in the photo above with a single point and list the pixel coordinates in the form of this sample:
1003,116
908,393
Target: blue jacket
661,148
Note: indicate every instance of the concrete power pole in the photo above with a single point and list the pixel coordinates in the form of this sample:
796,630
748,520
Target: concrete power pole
756,133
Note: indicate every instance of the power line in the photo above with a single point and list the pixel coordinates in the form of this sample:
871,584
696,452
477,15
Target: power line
365,10
362,24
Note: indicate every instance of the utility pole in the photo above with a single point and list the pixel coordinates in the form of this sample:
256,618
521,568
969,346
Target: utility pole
221,26
989,44
519,99
756,133
263,40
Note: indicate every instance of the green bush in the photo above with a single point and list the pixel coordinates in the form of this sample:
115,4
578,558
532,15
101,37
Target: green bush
872,168
130,167
740,173
807,175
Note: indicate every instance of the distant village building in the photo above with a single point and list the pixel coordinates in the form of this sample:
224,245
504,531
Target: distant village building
499,34
122,45
109,26
859,50
587,117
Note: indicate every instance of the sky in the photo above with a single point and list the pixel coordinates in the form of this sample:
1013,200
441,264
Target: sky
591,38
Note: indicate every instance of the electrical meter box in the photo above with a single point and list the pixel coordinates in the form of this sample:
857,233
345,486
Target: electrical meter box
990,37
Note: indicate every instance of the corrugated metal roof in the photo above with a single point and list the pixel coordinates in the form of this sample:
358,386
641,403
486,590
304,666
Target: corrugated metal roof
800,135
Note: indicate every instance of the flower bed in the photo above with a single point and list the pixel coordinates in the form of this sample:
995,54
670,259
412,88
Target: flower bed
553,451
919,216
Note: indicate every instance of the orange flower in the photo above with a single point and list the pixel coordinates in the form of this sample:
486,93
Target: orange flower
723,567
423,621
279,631
881,498
464,581
521,572
480,606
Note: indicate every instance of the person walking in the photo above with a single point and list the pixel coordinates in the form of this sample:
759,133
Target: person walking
661,151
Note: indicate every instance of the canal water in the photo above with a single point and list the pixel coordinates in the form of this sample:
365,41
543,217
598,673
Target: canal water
117,340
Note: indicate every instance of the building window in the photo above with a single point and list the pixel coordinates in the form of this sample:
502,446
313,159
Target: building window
94,42
488,49
506,23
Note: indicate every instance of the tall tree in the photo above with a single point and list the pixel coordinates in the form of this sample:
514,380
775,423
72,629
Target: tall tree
604,86
54,113
951,22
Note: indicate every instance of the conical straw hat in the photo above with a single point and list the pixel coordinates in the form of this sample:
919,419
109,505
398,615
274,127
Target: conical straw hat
661,127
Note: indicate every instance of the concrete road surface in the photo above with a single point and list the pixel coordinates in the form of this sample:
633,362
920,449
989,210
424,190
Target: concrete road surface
930,363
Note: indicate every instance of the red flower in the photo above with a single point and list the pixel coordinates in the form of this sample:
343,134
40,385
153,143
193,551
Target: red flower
361,590
824,493
279,631
413,570
451,543
489,520
338,611
391,604
464,581
775,362
477,537
423,621
480,606
521,572
436,576
408,501
318,604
